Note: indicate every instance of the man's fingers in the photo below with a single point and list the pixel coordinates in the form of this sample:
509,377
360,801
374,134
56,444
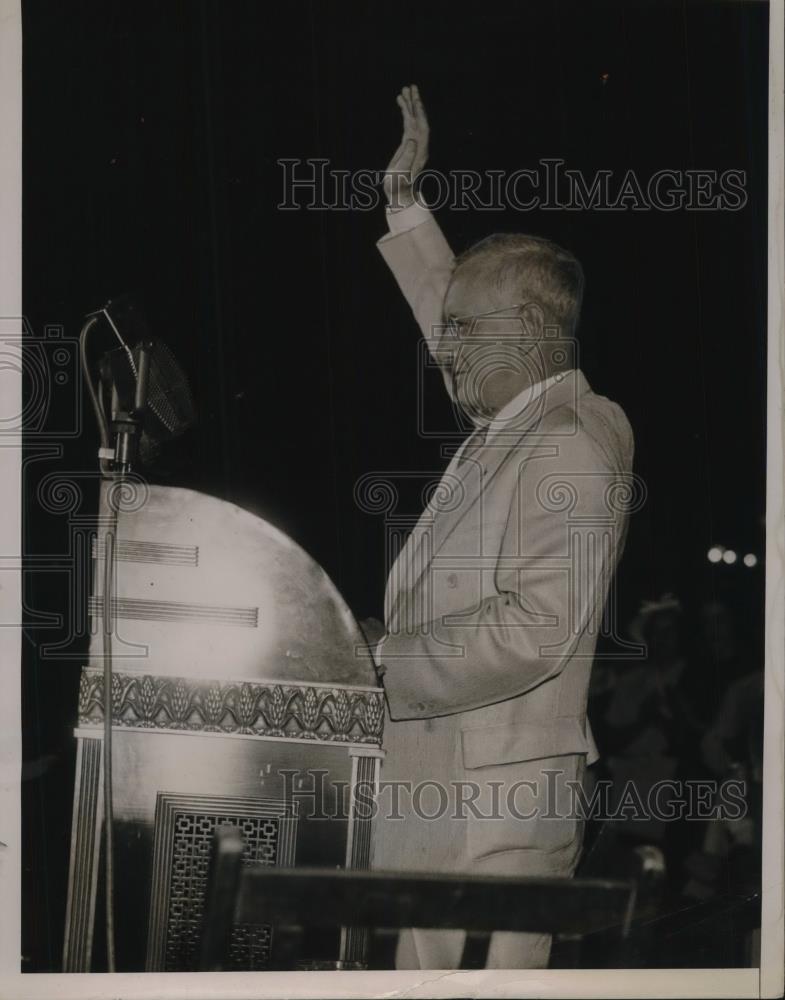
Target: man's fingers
415,121
404,111
404,105
418,107
415,106
408,116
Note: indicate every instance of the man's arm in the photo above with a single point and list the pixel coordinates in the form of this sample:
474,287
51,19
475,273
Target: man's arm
415,248
552,575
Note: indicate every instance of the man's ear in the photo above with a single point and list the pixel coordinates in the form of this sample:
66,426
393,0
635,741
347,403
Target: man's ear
533,319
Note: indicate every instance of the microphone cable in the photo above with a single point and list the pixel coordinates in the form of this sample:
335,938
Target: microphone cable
109,560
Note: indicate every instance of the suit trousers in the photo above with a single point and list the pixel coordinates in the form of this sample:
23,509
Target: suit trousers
440,949
522,823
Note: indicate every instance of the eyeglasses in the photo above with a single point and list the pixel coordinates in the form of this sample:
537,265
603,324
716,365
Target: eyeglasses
457,324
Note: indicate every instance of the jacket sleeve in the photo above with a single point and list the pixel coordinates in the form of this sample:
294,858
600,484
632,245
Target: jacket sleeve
422,263
549,585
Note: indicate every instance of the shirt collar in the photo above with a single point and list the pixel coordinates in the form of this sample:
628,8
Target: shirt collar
507,417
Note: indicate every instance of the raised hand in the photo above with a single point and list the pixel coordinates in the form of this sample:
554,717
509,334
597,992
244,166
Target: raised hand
412,154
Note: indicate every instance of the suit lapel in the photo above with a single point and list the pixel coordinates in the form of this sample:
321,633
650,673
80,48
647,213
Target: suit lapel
528,423
416,553
464,486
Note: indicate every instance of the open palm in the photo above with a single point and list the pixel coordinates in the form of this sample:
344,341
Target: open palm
412,154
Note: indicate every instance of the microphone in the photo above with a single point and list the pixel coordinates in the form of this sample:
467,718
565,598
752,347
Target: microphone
128,422
151,398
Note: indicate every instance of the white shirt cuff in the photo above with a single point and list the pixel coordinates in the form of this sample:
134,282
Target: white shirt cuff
404,219
377,656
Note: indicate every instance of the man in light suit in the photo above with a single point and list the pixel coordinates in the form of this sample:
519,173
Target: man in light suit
494,605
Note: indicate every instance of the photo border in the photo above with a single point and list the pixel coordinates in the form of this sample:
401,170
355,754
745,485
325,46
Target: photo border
766,981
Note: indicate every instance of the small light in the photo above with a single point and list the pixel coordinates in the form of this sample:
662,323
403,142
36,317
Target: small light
750,560
715,554
729,556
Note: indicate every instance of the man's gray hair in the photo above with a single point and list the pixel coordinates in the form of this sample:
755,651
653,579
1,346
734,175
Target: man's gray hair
540,270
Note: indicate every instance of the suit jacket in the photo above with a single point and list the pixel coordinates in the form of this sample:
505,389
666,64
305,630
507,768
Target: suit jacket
494,605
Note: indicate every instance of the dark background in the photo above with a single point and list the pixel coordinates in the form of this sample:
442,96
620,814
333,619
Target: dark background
151,134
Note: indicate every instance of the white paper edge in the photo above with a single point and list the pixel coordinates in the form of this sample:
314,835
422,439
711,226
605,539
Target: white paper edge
772,962
10,480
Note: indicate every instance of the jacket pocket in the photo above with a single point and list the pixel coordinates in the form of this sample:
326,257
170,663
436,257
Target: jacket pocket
523,741
528,810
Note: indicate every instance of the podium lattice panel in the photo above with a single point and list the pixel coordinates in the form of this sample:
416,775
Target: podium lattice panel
193,835
185,826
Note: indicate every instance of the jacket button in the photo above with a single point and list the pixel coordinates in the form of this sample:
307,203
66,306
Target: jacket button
452,581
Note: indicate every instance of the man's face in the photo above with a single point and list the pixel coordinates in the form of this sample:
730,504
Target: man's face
492,356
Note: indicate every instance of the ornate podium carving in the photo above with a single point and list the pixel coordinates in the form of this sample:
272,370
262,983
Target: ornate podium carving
239,675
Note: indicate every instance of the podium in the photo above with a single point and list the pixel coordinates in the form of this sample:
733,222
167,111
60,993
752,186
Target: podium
242,695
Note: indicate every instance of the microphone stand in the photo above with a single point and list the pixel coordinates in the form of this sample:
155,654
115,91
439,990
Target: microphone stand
116,463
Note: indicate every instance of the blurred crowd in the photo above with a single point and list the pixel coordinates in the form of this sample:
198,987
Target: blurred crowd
686,706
